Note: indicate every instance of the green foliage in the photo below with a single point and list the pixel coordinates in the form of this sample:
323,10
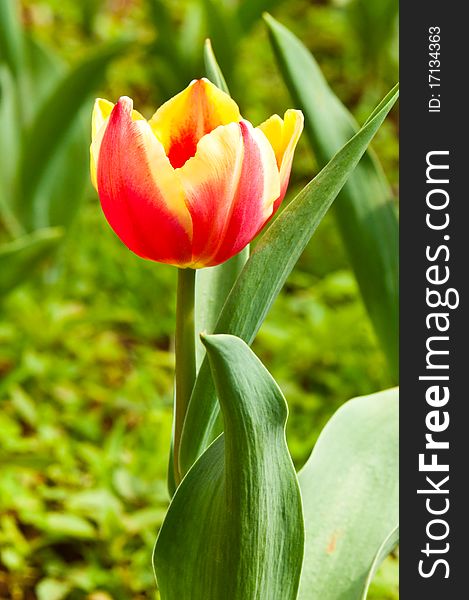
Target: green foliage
86,377
86,358
224,23
19,257
212,68
11,45
44,174
349,488
375,24
235,527
364,209
253,293
49,135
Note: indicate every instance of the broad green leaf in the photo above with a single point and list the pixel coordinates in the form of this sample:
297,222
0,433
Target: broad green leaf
365,210
349,488
11,37
21,258
265,273
55,120
234,528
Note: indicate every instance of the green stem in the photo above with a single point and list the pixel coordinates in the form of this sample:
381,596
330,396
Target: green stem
185,356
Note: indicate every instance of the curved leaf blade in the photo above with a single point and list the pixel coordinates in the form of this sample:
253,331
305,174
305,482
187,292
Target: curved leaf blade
276,254
365,210
349,488
234,528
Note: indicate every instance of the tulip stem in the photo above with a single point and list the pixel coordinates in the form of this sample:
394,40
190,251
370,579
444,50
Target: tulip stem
185,356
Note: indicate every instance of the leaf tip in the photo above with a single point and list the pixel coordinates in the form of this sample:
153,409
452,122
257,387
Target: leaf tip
268,18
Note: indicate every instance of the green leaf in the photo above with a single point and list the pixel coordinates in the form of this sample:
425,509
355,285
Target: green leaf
349,488
21,258
212,68
265,273
365,210
9,145
11,36
55,120
234,528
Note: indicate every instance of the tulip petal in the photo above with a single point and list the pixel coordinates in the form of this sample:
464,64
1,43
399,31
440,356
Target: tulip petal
101,112
181,122
231,184
283,135
140,193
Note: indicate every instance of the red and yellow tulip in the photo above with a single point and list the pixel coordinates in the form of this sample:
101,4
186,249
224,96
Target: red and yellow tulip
195,184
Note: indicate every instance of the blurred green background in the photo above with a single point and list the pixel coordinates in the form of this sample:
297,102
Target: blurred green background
86,349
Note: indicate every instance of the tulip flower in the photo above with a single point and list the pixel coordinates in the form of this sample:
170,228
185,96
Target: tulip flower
196,183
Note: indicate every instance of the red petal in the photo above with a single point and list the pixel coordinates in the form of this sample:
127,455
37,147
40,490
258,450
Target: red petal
140,194
231,185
